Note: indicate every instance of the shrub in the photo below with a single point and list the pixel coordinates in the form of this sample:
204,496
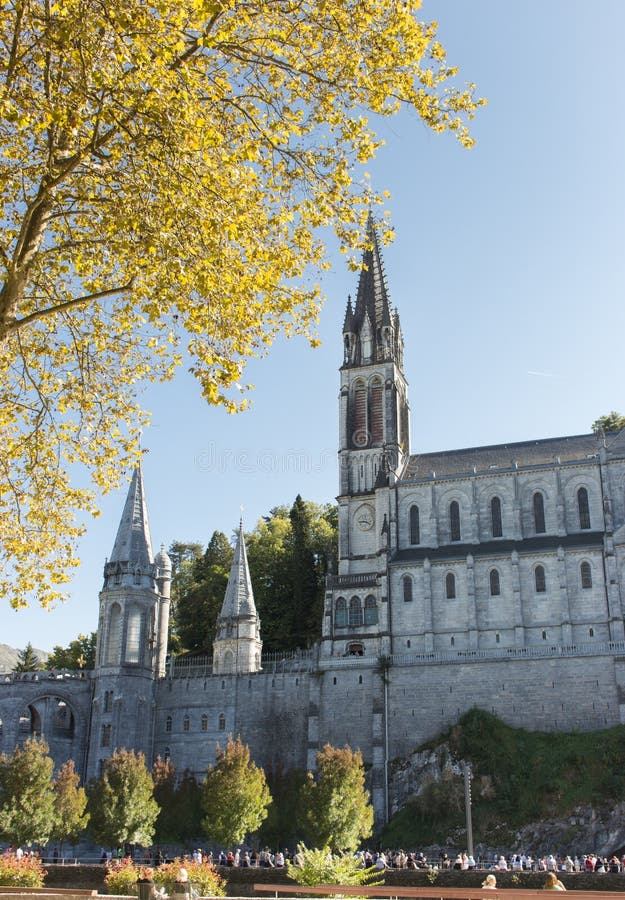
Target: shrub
25,872
312,867
203,877
121,877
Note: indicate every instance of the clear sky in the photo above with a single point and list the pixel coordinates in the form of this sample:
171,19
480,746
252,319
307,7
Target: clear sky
508,269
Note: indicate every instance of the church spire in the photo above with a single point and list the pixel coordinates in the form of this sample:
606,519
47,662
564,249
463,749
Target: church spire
237,646
371,311
132,544
239,598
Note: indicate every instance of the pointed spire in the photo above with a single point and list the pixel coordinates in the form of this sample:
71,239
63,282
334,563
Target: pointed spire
372,295
348,324
239,598
133,544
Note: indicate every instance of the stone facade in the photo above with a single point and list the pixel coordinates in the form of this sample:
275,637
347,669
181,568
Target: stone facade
491,577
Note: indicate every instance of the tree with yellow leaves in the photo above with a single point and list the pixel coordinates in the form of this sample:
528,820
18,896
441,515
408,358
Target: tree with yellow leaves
166,168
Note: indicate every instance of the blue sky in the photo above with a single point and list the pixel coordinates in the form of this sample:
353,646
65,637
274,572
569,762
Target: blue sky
508,269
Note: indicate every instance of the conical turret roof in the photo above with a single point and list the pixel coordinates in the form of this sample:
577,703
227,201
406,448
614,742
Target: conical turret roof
132,544
239,598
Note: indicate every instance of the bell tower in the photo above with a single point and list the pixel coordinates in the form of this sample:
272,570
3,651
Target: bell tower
374,438
132,635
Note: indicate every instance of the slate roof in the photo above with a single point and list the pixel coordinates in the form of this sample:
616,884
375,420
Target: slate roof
468,461
133,544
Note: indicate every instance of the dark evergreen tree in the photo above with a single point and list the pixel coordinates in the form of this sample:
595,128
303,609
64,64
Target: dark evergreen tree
201,595
27,660
164,778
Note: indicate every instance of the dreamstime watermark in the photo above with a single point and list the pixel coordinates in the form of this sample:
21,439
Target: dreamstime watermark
265,461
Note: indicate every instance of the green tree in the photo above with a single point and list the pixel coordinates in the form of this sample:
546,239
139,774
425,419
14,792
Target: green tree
164,778
188,802
79,654
289,553
70,805
27,811
202,595
235,796
311,867
336,809
611,422
183,556
27,660
126,125
121,802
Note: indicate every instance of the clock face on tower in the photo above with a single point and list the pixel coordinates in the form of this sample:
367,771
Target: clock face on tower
365,517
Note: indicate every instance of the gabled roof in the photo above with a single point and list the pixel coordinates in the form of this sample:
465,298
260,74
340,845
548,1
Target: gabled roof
577,448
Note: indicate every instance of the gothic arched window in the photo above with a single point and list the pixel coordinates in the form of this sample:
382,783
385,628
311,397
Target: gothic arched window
450,586
495,517
583,508
204,722
114,643
415,536
376,411
454,520
360,426
355,612
495,584
371,611
168,723
340,616
133,635
540,581
186,724
539,512
407,588
586,575
221,723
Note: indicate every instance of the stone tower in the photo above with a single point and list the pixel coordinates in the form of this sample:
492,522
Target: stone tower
237,646
132,635
374,447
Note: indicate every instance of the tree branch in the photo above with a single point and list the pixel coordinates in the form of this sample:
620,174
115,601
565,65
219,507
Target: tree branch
17,324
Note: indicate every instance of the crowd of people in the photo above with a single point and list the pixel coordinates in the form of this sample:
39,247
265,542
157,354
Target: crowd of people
400,859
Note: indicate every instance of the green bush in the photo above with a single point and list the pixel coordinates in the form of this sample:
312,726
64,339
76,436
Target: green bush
311,867
121,877
25,872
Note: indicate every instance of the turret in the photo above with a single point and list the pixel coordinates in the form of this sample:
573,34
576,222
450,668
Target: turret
237,646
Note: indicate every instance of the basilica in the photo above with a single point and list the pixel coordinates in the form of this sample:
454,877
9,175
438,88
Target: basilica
490,576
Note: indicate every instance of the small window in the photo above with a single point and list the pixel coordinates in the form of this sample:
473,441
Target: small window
495,585
355,650
586,575
407,588
355,612
591,632
222,722
108,701
583,508
544,635
106,736
340,616
415,535
540,582
495,517
168,723
453,642
539,513
186,723
454,520
166,753
204,722
371,611
450,586
497,638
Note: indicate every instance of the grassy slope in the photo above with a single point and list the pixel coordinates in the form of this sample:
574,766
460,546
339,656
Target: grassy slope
518,777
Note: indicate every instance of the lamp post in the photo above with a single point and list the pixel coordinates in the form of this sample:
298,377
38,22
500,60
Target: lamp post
466,771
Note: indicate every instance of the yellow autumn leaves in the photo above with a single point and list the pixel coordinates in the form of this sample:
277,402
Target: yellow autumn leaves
165,171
